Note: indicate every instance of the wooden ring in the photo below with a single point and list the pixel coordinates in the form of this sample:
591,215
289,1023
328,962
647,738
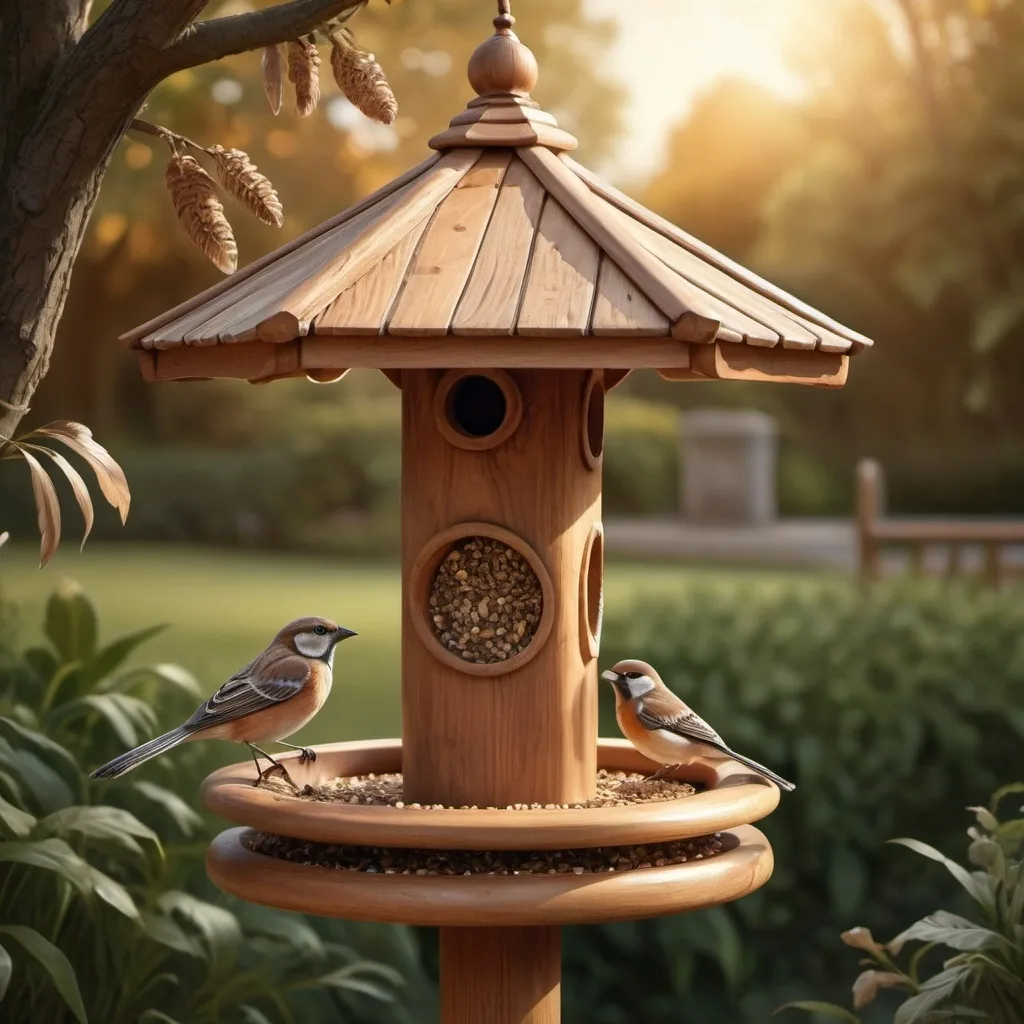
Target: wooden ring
592,594
592,420
443,412
421,578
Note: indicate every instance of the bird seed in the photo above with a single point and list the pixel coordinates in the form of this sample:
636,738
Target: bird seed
614,789
485,602
395,861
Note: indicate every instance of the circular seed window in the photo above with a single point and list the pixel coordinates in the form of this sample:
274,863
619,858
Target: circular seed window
592,426
482,599
477,409
592,594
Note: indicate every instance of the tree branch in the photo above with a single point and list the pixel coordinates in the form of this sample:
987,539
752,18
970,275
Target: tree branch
220,37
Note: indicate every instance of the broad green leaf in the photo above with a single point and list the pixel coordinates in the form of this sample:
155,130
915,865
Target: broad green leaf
950,930
54,962
50,855
112,893
363,987
70,623
42,746
6,970
108,660
383,971
1004,791
42,662
218,928
183,816
167,932
934,992
16,823
127,716
42,787
973,886
109,826
251,1015
257,920
826,1009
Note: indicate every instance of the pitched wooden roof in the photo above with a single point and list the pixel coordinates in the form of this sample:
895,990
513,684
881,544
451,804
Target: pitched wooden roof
499,239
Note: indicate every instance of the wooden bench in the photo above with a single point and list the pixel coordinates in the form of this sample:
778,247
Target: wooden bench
875,531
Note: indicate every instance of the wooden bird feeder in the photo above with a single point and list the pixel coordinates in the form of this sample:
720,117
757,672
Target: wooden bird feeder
504,289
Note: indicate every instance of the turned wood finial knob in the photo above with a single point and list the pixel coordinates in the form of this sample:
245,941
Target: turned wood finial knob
503,64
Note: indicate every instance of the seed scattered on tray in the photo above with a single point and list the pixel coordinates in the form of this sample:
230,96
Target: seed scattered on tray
393,861
614,789
485,601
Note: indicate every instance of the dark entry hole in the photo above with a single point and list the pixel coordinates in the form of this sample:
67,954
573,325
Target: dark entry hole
477,406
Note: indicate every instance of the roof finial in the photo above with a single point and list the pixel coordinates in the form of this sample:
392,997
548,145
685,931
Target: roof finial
504,21
503,65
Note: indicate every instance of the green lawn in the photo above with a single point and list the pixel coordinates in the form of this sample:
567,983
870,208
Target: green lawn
224,607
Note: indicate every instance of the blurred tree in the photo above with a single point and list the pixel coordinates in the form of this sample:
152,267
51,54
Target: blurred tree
135,262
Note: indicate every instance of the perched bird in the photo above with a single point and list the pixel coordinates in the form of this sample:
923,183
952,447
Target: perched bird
275,695
663,728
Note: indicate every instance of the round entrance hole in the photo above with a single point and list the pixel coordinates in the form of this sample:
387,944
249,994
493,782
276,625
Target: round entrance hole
480,599
477,409
592,594
592,427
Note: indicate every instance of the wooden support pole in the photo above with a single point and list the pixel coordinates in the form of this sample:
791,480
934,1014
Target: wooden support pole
500,975
869,509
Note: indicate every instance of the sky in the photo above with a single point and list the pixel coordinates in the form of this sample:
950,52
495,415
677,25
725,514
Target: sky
669,51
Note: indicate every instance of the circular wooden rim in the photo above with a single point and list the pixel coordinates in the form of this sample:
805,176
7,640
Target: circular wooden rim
513,409
591,458
422,575
496,900
734,796
590,638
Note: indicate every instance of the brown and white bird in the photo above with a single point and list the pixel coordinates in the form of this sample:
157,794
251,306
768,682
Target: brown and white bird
275,695
665,729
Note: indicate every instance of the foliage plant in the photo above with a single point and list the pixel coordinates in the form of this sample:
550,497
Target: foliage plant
984,979
94,926
884,707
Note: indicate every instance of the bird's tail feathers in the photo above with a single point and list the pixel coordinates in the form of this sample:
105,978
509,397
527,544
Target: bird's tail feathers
133,758
761,770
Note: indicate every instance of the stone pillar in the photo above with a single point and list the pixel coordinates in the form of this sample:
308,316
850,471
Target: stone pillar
729,460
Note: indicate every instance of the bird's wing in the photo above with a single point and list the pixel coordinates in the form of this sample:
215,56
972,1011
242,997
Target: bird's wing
674,716
257,686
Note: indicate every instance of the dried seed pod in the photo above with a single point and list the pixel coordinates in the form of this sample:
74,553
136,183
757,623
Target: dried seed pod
200,212
238,174
304,74
273,77
362,80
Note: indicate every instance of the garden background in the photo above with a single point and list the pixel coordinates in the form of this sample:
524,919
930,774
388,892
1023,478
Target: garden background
868,156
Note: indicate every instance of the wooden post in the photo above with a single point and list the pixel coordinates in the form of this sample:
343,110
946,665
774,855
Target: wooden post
869,509
500,975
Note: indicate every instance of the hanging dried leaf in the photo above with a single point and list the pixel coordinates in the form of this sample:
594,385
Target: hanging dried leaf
362,80
200,212
47,508
273,77
109,475
238,174
304,74
78,487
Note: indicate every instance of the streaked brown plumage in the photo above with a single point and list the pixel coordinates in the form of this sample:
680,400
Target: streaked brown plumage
664,728
275,695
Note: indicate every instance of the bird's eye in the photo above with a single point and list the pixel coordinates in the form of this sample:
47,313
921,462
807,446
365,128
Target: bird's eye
319,630
632,675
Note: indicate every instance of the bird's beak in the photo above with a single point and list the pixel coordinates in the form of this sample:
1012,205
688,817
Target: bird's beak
610,676
341,633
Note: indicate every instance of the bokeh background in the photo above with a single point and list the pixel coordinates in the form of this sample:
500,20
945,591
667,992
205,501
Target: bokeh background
867,155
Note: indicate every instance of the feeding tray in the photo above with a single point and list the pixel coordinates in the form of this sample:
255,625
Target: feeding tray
730,796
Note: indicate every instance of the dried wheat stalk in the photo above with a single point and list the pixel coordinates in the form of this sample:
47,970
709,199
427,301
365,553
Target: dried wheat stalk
194,194
238,174
273,77
304,74
362,79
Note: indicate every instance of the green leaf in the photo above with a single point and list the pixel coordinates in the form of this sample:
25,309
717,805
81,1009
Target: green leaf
973,886
826,1009
950,930
183,816
6,970
41,784
156,1017
42,662
70,622
16,822
127,716
935,991
365,988
253,1016
54,962
56,756
1004,791
50,855
997,321
112,893
218,928
112,827
108,660
167,932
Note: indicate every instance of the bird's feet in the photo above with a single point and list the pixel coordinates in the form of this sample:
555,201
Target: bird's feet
664,770
306,755
275,767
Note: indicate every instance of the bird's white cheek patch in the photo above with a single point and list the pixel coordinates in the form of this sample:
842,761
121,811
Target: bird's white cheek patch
312,646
